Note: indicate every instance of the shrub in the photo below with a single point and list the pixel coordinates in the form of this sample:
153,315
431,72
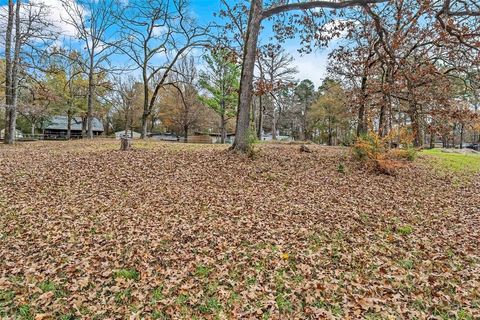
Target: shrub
374,150
369,147
409,154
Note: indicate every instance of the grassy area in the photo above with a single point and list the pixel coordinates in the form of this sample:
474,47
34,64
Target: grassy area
455,162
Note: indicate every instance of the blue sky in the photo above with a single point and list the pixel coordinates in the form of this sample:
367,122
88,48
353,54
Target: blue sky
311,66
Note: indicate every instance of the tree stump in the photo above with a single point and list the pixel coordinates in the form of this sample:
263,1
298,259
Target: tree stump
125,144
304,148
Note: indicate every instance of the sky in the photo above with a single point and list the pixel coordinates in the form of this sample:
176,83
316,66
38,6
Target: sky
310,66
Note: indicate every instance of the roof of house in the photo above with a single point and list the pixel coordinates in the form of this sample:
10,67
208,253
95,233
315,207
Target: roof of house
60,123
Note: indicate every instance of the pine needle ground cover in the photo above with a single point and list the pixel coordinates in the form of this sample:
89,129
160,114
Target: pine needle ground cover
172,231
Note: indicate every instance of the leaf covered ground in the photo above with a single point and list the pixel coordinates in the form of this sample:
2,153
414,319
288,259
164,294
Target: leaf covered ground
172,231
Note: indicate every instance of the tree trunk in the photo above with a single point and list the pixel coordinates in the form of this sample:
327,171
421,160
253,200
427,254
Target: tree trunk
382,118
69,124
14,83
462,128
91,92
143,134
126,122
185,131
8,68
125,143
84,126
416,126
260,118
246,85
146,111
223,132
362,122
274,126
330,133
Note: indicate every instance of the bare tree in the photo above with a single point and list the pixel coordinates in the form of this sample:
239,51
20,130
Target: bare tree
124,94
154,31
26,36
93,22
278,71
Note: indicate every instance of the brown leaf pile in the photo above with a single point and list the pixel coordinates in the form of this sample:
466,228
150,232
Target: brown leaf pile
185,231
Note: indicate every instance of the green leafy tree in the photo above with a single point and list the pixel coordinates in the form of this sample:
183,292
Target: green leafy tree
305,93
221,81
329,115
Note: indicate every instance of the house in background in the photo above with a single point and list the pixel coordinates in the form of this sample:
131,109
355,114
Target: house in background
56,127
18,134
130,134
165,136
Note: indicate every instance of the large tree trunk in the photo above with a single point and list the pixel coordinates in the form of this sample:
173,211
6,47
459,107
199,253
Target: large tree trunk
14,84
143,134
8,68
126,123
84,126
185,132
416,125
146,109
362,127
246,85
274,126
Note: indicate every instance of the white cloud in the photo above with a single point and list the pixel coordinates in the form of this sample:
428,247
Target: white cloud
311,66
57,16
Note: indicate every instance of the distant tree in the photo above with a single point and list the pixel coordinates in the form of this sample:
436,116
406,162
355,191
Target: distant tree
156,30
328,114
125,92
94,22
67,81
221,81
305,93
27,35
278,74
183,107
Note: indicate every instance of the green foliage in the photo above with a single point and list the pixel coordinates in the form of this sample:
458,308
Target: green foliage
369,147
202,271
6,298
405,230
47,286
283,303
129,274
25,312
222,82
341,168
328,114
123,296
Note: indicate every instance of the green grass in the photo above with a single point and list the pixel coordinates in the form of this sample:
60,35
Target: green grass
129,274
454,162
405,230
47,286
202,271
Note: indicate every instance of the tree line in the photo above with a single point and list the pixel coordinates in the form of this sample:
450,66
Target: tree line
399,64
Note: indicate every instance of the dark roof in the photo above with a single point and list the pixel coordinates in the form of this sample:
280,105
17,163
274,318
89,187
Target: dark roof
60,123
